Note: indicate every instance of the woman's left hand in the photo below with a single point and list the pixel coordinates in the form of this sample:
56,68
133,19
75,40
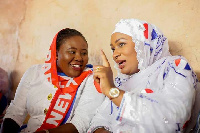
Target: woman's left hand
103,75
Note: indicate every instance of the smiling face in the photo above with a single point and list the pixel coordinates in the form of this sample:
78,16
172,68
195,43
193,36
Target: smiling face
72,56
124,53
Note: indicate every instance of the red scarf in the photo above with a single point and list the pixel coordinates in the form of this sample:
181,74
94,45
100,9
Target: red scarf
65,90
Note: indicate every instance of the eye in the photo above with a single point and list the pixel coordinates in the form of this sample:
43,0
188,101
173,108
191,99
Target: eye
72,52
84,53
122,44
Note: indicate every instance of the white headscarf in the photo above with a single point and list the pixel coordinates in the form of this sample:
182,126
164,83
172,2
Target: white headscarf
150,43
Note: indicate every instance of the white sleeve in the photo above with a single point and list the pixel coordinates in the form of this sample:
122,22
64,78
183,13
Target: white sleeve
165,110
17,108
102,117
89,101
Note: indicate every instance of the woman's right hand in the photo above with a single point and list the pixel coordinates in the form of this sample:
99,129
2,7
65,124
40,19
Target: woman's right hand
104,76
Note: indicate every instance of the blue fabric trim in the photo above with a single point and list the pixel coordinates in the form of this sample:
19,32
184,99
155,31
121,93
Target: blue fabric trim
89,65
22,127
176,71
153,34
111,108
61,74
146,44
187,67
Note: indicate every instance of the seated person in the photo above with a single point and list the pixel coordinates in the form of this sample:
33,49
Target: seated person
153,92
59,95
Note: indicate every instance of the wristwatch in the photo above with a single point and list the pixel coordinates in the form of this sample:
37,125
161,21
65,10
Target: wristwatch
114,93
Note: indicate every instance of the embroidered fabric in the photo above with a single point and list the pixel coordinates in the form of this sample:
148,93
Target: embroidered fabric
158,98
149,49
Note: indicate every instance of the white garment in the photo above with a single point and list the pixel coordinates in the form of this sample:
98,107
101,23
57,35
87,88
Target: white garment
165,110
170,78
31,98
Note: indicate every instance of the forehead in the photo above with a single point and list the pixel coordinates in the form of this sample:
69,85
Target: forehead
117,35
76,42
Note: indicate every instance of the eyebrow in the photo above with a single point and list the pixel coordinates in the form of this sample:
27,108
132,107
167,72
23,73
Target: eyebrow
118,40
76,48
72,48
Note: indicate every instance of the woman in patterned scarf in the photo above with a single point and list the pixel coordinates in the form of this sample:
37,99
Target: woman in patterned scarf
153,92
59,95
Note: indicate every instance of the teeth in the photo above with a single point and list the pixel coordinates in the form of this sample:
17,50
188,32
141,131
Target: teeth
120,62
76,65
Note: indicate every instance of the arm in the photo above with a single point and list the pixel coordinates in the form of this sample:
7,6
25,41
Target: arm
102,119
167,109
89,101
66,128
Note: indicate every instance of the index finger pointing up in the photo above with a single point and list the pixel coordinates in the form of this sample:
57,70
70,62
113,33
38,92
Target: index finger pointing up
105,60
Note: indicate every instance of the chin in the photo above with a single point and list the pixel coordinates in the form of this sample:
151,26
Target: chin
124,72
75,74
127,72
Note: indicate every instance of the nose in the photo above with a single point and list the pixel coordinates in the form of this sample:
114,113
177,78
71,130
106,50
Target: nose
116,54
78,57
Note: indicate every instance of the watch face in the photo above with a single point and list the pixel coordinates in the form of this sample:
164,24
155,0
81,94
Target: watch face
114,92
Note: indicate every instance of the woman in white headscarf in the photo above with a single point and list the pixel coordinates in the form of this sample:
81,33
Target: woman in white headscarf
153,92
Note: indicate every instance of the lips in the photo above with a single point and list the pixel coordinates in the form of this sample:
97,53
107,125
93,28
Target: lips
76,67
121,63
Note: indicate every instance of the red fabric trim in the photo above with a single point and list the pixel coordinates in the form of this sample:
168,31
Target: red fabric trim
148,90
177,62
146,30
97,86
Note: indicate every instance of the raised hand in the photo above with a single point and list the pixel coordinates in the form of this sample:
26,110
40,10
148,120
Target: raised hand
103,75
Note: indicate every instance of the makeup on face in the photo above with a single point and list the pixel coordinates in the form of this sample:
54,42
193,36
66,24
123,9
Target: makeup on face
124,53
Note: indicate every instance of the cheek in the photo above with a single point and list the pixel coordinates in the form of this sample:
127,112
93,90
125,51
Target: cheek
132,57
85,59
64,59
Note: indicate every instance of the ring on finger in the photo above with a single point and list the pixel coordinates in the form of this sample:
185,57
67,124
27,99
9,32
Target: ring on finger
98,69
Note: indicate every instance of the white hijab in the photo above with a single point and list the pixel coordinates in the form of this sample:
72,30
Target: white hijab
150,44
150,48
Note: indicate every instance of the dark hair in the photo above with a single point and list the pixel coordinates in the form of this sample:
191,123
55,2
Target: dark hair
66,34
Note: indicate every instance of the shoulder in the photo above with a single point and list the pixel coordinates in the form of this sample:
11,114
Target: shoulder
33,72
34,68
178,67
90,80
